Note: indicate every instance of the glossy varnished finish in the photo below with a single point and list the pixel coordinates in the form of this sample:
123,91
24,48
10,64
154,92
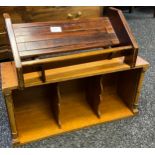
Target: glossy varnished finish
11,114
65,73
14,49
20,14
124,33
36,46
66,83
37,38
72,98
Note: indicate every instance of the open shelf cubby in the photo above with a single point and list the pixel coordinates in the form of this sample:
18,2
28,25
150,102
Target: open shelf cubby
51,109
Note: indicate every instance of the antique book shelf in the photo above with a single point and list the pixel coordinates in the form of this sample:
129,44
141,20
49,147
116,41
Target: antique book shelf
68,75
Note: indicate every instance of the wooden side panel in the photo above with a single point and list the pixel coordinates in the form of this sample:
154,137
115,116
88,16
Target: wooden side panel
124,33
8,76
128,84
12,40
15,51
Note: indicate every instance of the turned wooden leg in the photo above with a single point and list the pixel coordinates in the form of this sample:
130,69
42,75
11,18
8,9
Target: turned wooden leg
10,109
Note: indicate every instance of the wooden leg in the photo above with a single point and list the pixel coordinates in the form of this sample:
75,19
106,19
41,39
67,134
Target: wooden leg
10,109
140,83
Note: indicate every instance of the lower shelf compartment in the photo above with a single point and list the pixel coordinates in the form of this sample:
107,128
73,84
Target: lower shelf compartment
74,97
33,111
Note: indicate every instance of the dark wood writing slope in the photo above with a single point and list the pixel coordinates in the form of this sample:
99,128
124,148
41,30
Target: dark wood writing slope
43,45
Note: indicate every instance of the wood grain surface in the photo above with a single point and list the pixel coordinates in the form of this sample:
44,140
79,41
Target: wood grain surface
37,38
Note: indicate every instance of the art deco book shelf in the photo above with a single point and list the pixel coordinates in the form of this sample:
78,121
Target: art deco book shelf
70,74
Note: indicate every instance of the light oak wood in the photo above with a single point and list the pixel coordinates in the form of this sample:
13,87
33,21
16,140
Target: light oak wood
8,70
75,114
62,93
62,106
11,114
14,48
65,73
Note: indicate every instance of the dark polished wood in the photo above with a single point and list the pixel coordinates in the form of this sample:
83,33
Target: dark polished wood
123,32
24,14
33,39
36,46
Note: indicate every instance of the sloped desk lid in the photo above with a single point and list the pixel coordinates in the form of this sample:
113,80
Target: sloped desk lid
60,36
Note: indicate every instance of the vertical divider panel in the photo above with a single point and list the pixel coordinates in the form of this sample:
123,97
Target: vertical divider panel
55,94
93,93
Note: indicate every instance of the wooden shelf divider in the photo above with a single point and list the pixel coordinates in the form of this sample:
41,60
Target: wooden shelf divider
93,93
55,94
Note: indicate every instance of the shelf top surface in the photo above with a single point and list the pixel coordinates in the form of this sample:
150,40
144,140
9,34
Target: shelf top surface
10,81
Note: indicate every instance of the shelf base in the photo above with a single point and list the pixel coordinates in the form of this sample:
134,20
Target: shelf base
35,121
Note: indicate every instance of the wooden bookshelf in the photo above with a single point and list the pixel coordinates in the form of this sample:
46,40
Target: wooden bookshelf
61,106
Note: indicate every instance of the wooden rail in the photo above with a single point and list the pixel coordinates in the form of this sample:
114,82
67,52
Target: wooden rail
75,56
